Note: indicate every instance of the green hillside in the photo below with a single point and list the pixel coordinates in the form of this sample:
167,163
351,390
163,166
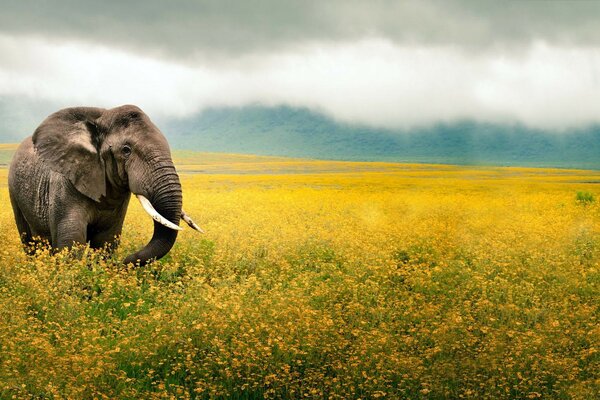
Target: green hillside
297,132
6,152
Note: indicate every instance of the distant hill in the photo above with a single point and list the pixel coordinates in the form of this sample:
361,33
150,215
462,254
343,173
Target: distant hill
300,132
6,153
20,116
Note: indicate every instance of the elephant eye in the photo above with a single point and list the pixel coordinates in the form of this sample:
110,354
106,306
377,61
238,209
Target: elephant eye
126,150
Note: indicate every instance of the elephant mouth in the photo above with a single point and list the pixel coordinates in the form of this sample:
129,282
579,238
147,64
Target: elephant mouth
147,206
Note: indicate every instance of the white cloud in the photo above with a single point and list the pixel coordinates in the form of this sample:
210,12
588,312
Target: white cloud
371,81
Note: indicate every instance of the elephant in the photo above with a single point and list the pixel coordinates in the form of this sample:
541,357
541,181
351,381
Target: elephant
71,181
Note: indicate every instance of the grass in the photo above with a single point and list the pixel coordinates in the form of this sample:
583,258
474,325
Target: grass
585,198
322,280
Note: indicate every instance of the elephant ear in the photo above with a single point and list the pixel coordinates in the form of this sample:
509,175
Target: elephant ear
68,142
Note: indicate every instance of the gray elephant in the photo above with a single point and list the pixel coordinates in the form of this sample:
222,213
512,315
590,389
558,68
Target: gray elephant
71,181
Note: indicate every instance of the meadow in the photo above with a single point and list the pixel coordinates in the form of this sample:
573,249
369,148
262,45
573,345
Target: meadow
320,279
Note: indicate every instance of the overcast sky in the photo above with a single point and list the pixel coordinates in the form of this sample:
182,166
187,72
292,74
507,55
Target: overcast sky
383,63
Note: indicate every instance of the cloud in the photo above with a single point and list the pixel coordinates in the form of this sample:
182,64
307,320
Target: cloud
371,81
217,31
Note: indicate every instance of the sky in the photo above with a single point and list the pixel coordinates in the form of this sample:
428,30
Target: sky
392,64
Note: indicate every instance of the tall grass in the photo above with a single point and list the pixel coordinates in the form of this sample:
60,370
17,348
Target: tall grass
412,282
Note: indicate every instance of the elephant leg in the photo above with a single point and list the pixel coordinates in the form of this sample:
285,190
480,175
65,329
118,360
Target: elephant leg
106,233
69,231
108,239
23,228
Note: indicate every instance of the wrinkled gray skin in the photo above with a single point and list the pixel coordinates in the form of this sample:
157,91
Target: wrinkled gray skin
71,181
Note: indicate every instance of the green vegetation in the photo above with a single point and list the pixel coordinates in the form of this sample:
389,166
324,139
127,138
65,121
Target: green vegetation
585,198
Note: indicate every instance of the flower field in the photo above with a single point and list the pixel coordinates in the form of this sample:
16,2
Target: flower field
321,279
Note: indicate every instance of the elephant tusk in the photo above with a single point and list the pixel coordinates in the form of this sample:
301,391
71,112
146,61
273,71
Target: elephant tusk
190,222
154,214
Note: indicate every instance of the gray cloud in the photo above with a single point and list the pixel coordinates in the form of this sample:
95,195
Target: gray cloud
196,29
385,63
369,81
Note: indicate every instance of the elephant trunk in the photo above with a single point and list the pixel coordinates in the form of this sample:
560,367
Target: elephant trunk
165,197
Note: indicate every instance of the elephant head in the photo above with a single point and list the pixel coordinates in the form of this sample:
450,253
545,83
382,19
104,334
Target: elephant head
109,153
